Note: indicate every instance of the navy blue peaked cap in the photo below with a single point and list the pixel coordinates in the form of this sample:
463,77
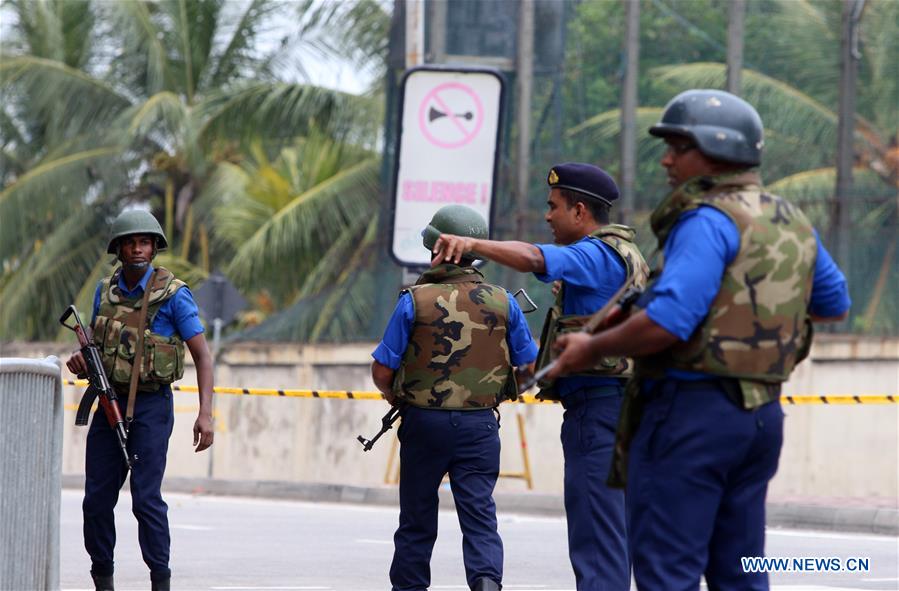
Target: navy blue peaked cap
584,178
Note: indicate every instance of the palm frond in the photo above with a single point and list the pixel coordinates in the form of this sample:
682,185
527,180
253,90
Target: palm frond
338,297
84,299
35,294
39,30
819,184
239,56
334,316
323,211
605,127
144,42
235,214
879,93
275,110
42,191
162,109
346,247
183,269
359,32
40,82
782,107
813,190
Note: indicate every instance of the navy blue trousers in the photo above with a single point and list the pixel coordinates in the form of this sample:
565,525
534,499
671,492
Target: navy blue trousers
698,474
465,445
105,473
597,533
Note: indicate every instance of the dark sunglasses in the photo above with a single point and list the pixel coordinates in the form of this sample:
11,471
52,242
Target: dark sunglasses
679,149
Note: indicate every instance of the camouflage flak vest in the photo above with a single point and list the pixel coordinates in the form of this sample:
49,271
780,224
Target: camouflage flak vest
621,240
116,330
457,357
758,327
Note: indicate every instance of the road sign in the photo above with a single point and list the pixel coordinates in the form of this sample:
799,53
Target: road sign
447,150
219,302
218,298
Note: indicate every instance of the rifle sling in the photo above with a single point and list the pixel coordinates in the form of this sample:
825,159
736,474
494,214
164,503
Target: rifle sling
139,353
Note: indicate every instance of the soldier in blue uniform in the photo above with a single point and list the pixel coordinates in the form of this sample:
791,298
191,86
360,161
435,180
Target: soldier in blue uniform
592,259
448,355
719,330
172,321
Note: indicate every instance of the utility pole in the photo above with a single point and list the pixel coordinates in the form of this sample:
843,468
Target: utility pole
849,58
628,145
415,33
524,82
735,13
437,31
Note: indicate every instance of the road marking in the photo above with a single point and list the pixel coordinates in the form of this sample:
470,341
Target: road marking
787,587
191,527
272,588
822,535
519,587
369,541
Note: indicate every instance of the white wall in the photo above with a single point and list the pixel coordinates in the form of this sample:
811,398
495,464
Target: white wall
829,450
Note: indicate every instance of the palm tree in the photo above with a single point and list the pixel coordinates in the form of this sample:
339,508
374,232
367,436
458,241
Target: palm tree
298,228
159,94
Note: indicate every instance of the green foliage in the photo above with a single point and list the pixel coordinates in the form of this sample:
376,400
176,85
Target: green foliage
163,98
791,75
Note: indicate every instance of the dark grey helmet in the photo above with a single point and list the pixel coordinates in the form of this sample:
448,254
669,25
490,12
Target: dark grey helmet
135,221
723,126
454,219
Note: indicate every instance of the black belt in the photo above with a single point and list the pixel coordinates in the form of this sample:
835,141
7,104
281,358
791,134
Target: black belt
579,397
729,386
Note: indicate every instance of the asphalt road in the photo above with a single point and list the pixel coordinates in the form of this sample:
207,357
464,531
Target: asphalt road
231,544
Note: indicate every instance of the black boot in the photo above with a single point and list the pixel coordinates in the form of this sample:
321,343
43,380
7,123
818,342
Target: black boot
485,584
160,585
103,583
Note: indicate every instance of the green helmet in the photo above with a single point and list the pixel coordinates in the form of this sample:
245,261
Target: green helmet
454,219
135,221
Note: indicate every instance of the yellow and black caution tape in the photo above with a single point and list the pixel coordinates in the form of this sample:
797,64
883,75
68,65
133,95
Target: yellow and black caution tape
525,399
841,399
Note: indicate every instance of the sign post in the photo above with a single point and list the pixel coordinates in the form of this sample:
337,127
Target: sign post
220,302
448,145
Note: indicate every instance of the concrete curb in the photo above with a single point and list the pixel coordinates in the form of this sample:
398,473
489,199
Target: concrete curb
832,517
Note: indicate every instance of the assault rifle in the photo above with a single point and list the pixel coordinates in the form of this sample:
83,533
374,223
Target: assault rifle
99,386
624,298
387,422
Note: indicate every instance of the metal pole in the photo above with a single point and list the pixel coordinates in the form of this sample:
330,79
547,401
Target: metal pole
628,144
415,33
849,57
735,14
216,347
525,81
438,31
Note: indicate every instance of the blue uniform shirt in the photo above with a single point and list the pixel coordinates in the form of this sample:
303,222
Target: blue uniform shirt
178,314
522,349
702,243
592,272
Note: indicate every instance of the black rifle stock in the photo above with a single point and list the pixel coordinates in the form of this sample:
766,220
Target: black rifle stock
624,297
387,422
99,387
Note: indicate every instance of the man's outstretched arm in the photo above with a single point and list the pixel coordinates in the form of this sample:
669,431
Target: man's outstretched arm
521,256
